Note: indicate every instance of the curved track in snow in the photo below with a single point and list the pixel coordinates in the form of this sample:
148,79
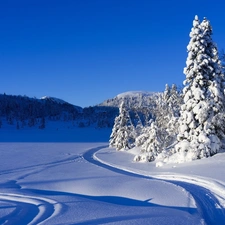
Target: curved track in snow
209,195
29,209
23,207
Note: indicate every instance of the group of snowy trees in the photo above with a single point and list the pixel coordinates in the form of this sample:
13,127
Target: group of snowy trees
190,124
156,134
21,111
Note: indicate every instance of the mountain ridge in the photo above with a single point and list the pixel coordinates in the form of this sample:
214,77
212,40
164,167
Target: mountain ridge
21,111
131,99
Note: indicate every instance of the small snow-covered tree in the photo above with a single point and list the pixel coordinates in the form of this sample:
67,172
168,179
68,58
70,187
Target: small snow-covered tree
167,92
123,133
149,143
138,126
175,101
199,135
143,135
166,115
115,130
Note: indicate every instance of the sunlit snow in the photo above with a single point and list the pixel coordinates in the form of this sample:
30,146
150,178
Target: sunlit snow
90,183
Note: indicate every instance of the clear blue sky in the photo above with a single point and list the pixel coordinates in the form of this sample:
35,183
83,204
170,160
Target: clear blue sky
86,51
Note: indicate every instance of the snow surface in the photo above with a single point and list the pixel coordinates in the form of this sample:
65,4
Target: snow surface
60,131
64,183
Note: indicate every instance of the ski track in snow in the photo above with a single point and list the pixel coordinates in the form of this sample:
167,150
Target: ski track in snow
40,167
209,195
29,209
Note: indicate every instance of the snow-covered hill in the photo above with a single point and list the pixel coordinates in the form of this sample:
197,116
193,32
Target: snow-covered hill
59,101
53,99
135,94
132,99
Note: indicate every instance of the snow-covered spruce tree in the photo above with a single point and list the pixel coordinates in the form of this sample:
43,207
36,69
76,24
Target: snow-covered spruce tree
123,132
166,115
150,144
143,135
175,100
167,92
200,132
163,113
138,125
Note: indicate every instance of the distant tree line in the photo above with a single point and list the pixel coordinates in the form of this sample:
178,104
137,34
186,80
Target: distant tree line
22,111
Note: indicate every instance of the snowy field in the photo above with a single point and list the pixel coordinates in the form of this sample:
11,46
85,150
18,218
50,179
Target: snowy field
76,181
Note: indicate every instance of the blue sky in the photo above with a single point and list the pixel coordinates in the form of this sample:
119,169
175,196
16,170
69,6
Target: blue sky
86,51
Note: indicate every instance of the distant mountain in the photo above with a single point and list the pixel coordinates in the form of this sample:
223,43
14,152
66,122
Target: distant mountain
133,99
53,99
135,94
21,111
59,101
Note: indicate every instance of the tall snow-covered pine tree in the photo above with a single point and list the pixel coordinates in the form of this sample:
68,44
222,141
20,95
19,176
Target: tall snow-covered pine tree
199,134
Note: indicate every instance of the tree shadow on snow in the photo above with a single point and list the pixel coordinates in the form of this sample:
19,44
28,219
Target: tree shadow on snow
155,210
115,200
